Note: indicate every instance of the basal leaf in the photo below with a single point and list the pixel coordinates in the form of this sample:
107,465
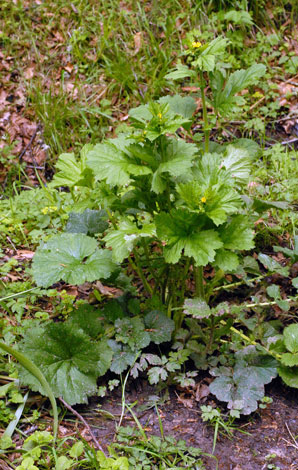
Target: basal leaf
245,383
131,331
89,319
88,222
159,326
73,258
123,357
290,334
289,375
125,237
181,231
70,361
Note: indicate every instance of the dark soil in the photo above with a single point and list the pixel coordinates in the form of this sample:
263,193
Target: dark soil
268,429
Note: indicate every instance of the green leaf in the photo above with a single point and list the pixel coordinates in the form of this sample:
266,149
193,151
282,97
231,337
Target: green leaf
88,222
293,254
238,163
207,59
288,359
159,326
289,375
69,360
272,265
197,308
273,291
295,282
177,160
181,231
226,260
181,71
89,319
131,331
123,239
123,357
237,234
73,258
244,384
73,172
183,105
225,100
290,334
112,161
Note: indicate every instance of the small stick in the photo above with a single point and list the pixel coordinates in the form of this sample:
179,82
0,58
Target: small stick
38,127
80,417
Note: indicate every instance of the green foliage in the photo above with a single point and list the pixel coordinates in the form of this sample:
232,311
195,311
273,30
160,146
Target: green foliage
243,385
288,369
72,258
88,222
70,361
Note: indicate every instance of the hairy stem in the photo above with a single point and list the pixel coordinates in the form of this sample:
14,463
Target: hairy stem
205,115
199,281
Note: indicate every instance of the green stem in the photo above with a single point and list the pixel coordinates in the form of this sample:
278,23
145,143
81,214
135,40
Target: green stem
199,281
205,115
34,370
138,269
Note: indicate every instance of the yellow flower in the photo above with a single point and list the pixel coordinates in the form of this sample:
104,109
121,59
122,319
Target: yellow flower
203,199
45,210
196,44
159,115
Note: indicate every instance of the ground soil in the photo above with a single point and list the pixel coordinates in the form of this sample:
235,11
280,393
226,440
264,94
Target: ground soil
268,429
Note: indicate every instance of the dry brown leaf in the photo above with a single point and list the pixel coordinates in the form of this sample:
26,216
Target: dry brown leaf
138,39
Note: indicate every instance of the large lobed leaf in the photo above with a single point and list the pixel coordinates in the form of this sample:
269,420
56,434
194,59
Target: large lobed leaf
69,360
73,172
73,258
181,231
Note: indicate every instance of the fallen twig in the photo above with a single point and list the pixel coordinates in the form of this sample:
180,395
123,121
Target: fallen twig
80,417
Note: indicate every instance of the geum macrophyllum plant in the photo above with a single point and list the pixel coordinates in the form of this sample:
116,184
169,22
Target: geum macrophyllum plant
171,208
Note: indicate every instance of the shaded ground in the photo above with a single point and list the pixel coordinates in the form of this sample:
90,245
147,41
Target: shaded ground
269,428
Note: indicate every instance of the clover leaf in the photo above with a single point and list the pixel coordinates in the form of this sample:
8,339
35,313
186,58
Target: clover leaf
73,258
68,358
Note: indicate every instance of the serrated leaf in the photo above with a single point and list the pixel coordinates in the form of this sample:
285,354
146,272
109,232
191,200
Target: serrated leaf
181,231
183,105
289,375
237,234
125,237
112,161
238,163
290,335
177,160
72,172
73,258
226,100
226,260
70,361
123,357
159,326
87,222
290,360
197,308
89,319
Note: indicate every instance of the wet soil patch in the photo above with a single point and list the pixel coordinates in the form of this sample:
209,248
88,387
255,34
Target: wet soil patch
269,429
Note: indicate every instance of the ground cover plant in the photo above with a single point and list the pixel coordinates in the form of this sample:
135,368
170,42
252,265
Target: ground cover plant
147,220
